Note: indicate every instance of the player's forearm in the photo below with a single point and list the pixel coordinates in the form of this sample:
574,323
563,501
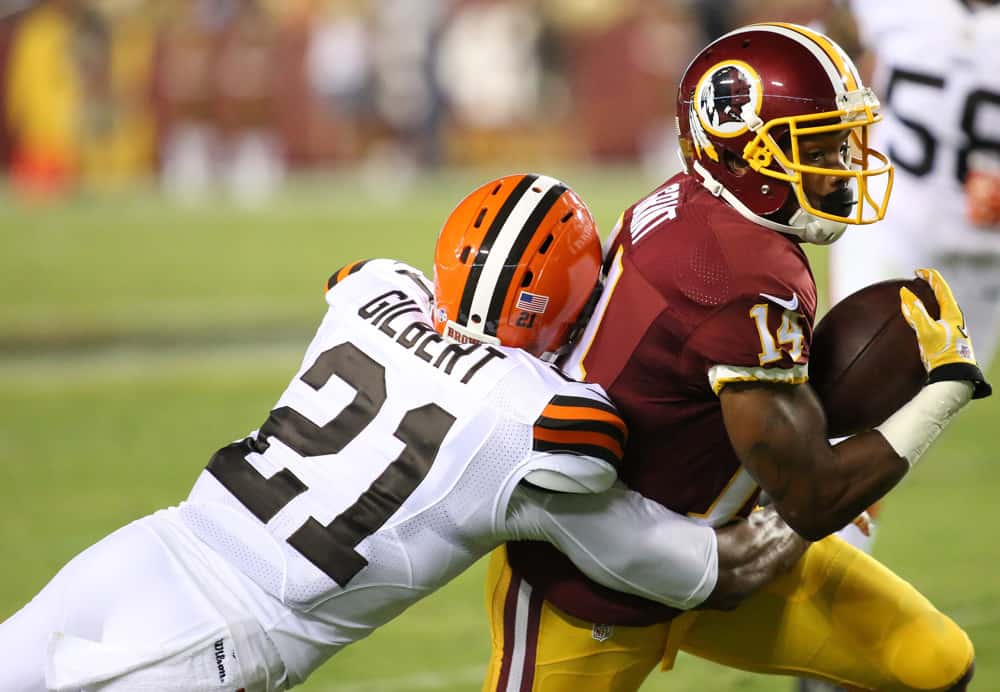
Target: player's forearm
863,469
778,433
913,428
623,541
870,464
820,491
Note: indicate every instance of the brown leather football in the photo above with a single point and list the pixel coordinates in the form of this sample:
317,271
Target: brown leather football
864,363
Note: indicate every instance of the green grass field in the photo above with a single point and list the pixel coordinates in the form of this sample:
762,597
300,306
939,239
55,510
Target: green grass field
138,337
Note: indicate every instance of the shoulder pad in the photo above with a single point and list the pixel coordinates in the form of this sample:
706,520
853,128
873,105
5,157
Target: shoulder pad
400,271
344,272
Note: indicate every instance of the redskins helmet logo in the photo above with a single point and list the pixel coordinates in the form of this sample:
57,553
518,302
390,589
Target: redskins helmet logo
727,99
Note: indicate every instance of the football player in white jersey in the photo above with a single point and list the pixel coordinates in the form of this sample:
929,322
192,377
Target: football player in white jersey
418,434
935,65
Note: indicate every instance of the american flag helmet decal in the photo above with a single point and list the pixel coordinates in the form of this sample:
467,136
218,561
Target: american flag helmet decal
532,302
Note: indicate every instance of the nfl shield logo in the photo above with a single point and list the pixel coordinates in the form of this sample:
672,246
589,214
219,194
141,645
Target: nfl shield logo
602,633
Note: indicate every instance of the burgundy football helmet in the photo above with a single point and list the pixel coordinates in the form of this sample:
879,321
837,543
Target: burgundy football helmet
752,94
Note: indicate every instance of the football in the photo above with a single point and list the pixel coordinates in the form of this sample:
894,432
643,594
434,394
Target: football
864,362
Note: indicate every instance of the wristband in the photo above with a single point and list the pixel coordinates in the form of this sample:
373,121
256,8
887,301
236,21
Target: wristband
912,429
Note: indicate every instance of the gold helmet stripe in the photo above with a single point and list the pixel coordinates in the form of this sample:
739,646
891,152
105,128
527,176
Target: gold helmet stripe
844,64
842,77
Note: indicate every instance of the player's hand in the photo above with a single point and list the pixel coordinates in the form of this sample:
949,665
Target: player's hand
752,552
945,346
982,190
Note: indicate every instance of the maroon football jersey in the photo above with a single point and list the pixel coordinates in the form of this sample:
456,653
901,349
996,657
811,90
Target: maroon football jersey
695,296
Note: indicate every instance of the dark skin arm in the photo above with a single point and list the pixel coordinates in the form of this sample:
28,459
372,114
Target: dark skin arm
752,552
778,432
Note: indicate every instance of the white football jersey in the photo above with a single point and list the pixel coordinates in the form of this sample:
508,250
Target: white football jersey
937,76
386,467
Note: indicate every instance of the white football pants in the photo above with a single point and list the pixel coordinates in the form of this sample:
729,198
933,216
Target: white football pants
139,610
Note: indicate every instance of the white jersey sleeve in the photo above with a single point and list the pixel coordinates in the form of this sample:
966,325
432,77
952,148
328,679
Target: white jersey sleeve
669,558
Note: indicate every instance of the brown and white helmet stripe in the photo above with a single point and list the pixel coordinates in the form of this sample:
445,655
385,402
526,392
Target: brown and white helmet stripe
500,252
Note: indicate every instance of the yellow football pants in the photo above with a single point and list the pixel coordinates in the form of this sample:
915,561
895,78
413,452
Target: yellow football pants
838,615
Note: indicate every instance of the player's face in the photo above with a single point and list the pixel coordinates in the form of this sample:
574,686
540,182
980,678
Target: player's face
830,193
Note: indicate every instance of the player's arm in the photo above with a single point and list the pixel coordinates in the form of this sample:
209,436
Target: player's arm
630,543
669,558
778,430
568,497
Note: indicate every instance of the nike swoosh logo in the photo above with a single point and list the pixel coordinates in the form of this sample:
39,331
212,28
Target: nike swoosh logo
790,304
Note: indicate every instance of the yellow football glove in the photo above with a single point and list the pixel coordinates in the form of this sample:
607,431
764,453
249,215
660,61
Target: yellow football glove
945,346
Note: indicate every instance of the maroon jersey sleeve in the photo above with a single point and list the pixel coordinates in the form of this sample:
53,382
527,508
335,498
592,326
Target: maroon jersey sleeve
754,338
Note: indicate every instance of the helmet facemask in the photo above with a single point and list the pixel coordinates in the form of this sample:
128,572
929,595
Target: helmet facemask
863,165
746,104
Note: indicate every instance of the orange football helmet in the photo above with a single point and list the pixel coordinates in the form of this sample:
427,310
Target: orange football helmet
516,263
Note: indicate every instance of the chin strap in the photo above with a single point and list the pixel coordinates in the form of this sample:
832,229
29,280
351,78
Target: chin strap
817,230
804,225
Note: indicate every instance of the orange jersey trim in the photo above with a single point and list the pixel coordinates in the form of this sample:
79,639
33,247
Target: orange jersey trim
344,272
579,425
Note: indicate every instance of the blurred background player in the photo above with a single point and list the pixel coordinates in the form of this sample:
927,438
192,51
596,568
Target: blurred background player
935,66
702,338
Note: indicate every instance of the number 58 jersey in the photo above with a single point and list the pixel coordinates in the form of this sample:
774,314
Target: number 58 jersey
937,75
386,467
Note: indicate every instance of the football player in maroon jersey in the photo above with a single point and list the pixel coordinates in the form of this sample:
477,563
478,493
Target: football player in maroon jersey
701,337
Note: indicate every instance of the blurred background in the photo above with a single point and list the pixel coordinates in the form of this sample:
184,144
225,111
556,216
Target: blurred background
234,97
180,177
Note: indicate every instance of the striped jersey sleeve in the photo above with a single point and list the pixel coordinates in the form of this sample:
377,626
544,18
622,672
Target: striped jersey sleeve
581,425
344,272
